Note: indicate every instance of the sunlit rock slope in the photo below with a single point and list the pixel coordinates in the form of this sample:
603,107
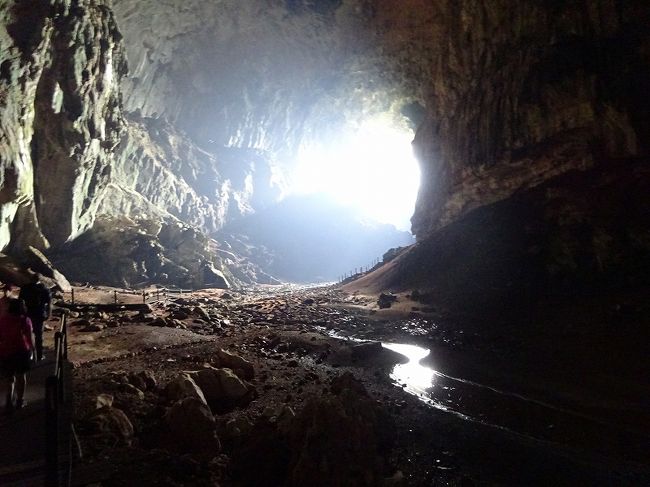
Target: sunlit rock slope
576,235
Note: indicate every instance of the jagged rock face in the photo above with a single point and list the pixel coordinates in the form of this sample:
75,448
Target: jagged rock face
60,113
520,92
68,154
120,251
158,172
506,95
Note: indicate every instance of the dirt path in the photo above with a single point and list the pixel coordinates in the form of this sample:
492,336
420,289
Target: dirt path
298,341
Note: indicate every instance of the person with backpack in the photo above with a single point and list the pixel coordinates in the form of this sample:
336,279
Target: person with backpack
16,349
37,298
4,300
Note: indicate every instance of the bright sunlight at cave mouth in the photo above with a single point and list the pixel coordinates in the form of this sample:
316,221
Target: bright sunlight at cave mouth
372,170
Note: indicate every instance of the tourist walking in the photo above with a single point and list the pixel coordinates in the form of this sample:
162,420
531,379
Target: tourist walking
37,298
4,300
16,349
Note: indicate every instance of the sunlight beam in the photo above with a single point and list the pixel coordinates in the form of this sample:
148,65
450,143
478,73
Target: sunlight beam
371,169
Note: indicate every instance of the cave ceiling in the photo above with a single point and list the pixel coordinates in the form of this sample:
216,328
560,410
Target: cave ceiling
259,74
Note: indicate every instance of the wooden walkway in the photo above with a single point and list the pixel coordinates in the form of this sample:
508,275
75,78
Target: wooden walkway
22,433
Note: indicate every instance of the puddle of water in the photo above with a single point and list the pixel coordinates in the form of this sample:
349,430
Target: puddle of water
417,379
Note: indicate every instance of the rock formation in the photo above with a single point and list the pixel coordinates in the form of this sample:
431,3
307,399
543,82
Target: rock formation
61,66
69,154
577,234
522,92
217,98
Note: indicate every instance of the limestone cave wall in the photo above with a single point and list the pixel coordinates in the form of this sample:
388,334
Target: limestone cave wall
160,173
217,96
70,153
517,92
60,117
508,94
238,74
533,147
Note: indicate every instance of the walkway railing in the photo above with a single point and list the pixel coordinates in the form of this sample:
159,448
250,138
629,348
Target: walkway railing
162,294
148,296
57,413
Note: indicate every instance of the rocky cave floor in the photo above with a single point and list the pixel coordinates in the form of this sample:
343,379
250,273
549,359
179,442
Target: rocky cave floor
301,404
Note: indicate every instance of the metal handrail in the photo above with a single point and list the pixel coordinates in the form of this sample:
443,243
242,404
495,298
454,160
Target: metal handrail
55,398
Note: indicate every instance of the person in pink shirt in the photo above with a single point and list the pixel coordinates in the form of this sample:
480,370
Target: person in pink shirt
16,349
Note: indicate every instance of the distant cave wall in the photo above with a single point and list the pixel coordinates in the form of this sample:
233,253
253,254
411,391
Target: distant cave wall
158,172
517,92
509,93
60,112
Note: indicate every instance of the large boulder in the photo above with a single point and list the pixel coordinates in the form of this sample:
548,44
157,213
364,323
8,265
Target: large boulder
231,385
111,423
222,388
193,427
338,439
144,380
386,300
213,277
12,272
239,365
183,387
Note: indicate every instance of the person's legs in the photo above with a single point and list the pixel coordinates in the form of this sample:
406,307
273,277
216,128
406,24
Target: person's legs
9,401
21,385
37,325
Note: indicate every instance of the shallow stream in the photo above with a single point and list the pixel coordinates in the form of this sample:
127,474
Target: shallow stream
511,412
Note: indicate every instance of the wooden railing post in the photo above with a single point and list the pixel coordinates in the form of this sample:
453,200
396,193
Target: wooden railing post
52,432
64,329
55,392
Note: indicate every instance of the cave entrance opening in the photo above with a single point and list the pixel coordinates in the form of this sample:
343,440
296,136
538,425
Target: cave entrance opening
370,168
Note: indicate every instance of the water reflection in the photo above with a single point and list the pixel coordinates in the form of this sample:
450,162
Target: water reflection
416,378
